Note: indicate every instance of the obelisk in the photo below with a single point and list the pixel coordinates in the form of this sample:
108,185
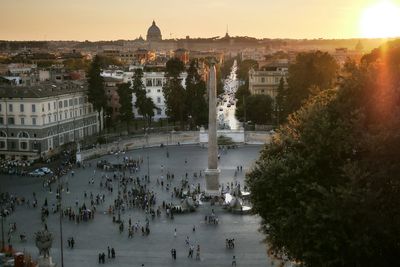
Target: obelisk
212,173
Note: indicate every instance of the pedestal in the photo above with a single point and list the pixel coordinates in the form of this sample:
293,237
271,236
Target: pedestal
212,182
45,262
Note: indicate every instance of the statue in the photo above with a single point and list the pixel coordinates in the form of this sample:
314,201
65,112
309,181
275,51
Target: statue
44,240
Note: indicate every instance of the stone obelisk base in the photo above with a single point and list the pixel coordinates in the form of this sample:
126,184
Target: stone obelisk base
212,182
45,262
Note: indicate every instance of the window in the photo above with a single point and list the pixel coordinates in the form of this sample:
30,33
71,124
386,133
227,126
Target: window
23,135
158,99
35,146
81,100
148,90
49,119
12,145
65,115
48,106
0,107
1,120
55,117
23,145
75,101
3,134
158,90
2,144
22,121
10,107
80,112
71,102
11,121
263,80
54,105
33,108
60,104
158,111
33,121
65,103
148,82
21,107
70,113
60,116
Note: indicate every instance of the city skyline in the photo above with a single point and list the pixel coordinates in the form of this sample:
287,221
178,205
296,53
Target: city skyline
123,19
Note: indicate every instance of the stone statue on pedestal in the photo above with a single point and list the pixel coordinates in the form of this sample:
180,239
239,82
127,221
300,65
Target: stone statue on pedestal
43,241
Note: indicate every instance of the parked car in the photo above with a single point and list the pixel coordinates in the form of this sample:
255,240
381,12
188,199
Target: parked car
37,173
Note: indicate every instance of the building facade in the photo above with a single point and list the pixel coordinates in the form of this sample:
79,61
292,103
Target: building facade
36,121
266,81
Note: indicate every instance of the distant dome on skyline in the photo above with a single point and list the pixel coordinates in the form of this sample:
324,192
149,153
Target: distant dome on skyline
153,33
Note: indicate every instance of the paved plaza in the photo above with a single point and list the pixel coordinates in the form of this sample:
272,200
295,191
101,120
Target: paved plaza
93,236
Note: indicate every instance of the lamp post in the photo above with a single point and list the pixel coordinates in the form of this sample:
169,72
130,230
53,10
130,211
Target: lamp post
2,228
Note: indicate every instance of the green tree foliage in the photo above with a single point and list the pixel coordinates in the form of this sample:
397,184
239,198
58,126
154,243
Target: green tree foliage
125,100
244,67
279,101
328,186
76,64
196,94
174,93
144,104
311,70
259,109
96,93
241,95
226,67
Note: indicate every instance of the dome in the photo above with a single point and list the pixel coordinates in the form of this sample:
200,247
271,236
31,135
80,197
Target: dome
154,33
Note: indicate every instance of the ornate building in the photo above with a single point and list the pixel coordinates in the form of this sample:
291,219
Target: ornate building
154,33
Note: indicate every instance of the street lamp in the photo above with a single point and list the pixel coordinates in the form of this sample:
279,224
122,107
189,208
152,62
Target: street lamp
3,215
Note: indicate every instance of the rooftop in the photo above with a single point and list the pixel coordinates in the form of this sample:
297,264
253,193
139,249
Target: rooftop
42,90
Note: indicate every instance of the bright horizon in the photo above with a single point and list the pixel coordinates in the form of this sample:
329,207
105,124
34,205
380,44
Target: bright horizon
128,19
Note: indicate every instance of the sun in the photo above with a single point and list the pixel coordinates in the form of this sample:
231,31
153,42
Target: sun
381,20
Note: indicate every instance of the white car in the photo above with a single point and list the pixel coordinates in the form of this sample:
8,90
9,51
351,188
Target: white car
36,173
45,170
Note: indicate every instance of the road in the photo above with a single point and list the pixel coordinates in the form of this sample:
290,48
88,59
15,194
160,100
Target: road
227,102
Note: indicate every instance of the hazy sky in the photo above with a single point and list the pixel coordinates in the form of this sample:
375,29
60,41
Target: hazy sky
127,19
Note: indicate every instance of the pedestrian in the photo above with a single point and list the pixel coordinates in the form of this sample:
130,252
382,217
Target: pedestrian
174,254
198,252
99,257
194,228
72,242
108,252
175,233
233,260
69,243
112,253
103,257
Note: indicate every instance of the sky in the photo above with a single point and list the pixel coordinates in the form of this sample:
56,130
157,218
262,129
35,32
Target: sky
128,19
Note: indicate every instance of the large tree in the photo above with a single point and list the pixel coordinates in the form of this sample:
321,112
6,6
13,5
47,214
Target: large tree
125,100
174,93
259,109
144,104
96,93
196,94
311,71
328,186
241,95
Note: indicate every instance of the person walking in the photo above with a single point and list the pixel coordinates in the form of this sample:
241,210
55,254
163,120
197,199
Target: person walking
108,252
198,252
233,260
112,253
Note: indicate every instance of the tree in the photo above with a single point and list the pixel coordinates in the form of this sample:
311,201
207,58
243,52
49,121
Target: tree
279,101
144,104
244,67
125,100
259,108
196,95
310,70
96,93
241,95
174,93
327,187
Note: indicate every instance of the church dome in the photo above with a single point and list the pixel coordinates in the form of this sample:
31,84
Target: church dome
154,33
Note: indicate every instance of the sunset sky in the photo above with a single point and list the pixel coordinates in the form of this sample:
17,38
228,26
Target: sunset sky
127,19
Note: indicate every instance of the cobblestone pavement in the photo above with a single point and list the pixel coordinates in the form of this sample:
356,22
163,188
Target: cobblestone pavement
94,236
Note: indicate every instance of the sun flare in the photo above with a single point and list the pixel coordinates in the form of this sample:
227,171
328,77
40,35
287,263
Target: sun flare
381,20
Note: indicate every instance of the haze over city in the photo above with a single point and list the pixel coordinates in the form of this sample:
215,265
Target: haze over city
126,19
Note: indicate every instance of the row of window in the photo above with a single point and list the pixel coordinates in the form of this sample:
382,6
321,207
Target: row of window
61,104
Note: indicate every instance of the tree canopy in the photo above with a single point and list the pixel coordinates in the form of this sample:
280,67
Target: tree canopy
328,186
311,71
125,100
